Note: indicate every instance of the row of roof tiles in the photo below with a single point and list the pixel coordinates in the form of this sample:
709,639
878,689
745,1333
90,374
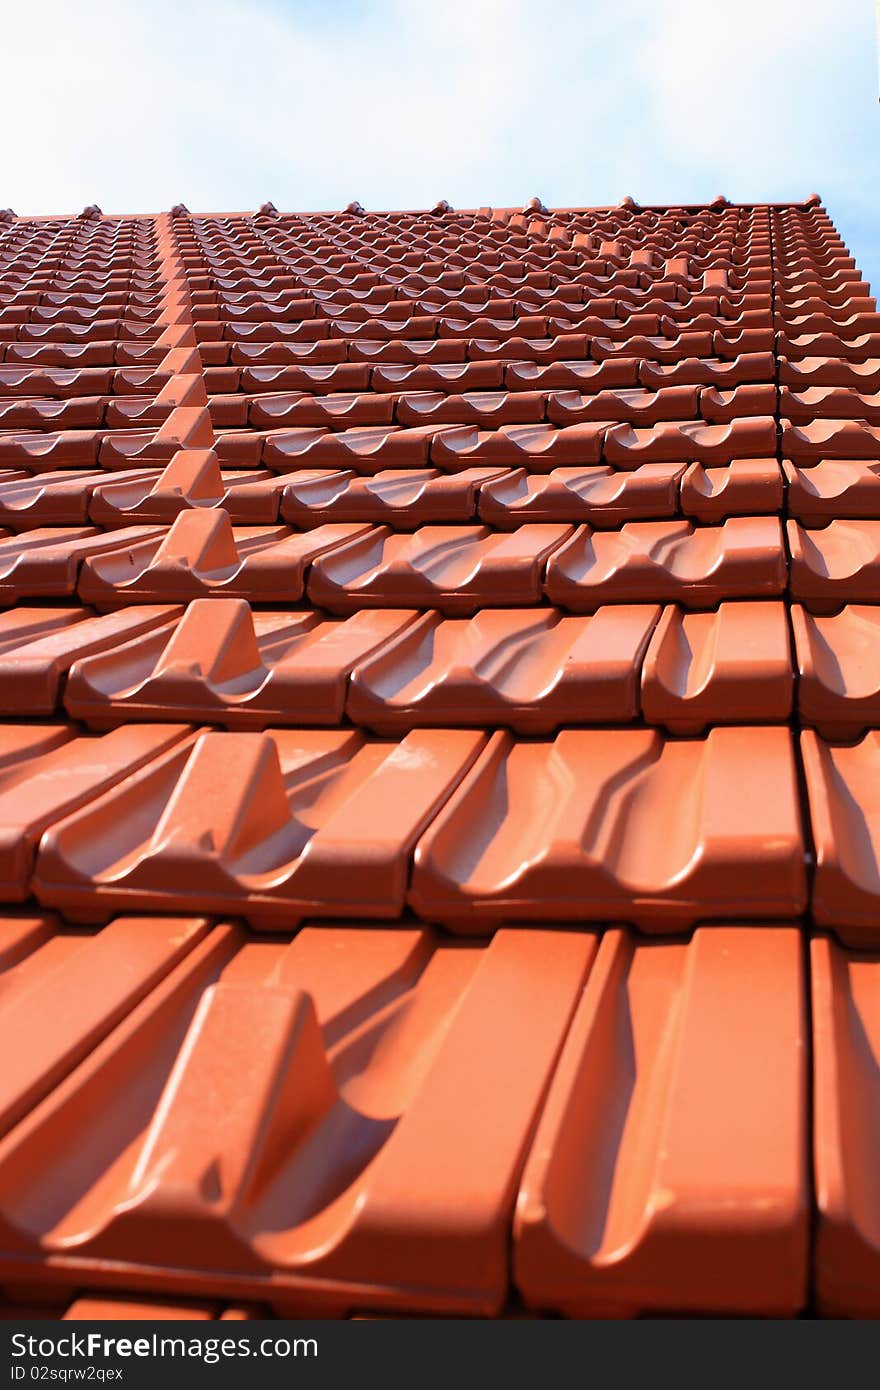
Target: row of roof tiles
465,828
395,1122
343,566
391,670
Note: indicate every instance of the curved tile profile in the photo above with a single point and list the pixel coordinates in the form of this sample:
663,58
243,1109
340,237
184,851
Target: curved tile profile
38,646
745,487
726,667
690,442
838,663
402,498
669,1170
530,670
843,787
598,494
829,439
201,555
68,991
567,829
294,1116
54,499
502,441
48,771
835,565
193,478
708,371
46,562
670,561
538,448
846,1128
274,826
457,569
807,372
224,664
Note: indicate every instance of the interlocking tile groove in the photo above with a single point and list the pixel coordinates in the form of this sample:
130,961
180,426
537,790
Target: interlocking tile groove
275,826
201,554
669,561
745,487
531,670
600,495
243,1045
833,489
403,498
846,1050
838,662
844,805
567,829
222,663
192,479
38,646
430,567
669,1169
835,564
457,569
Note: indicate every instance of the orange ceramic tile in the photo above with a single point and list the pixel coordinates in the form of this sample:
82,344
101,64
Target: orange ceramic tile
131,1308
46,771
538,448
457,569
690,442
834,402
45,562
53,1015
404,498
529,832
202,555
337,411
669,1170
833,489
39,645
600,495
342,1033
367,450
713,371
571,376
530,669
838,662
668,561
224,664
846,1110
725,667
274,826
192,479
844,803
639,407
830,371
744,487
835,565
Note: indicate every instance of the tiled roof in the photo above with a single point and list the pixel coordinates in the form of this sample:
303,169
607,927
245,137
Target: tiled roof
440,745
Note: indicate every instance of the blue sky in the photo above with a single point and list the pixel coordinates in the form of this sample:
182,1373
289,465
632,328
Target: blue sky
400,102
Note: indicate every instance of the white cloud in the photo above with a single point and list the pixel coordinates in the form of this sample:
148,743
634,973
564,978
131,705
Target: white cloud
399,102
